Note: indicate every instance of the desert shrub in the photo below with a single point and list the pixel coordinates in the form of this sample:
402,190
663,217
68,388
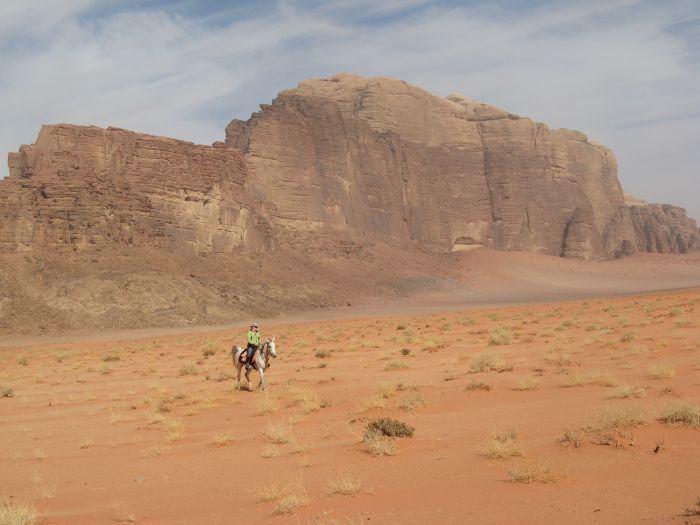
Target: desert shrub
534,471
321,354
208,352
682,413
502,445
401,327
395,365
629,416
24,361
111,357
188,370
405,351
379,445
389,427
627,337
6,391
501,336
478,385
662,371
526,383
344,484
17,513
625,391
486,361
412,400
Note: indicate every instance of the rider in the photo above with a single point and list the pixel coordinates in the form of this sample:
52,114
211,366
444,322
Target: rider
253,344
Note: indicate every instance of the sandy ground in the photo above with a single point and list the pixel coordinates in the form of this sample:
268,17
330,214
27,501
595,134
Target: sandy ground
153,430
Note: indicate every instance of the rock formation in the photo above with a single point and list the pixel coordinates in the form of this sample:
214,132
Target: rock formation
334,165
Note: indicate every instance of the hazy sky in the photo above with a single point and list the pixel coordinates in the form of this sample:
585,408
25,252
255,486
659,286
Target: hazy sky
625,72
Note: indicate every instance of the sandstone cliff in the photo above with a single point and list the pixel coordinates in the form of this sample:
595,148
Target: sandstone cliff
383,157
332,192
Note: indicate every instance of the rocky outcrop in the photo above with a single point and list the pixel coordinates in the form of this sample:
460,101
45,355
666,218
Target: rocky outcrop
662,228
86,187
334,165
379,156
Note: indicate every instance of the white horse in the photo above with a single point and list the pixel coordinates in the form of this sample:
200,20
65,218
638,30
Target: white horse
262,361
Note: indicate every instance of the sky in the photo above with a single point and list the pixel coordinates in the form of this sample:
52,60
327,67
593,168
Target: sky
625,72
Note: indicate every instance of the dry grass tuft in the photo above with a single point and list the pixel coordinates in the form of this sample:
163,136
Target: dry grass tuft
501,336
487,361
345,484
478,385
278,433
526,383
173,430
306,399
265,405
287,498
220,440
682,413
19,513
534,472
412,400
595,377
395,365
662,371
122,514
502,445
625,392
620,417
378,445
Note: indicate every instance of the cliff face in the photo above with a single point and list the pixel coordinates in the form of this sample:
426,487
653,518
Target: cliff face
334,165
380,156
83,187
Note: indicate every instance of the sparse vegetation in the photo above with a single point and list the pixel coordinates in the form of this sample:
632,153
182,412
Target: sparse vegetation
682,413
501,336
412,400
345,484
526,383
662,371
389,427
18,513
478,385
533,472
502,445
6,391
188,370
264,405
395,365
379,445
487,361
620,417
220,440
278,433
625,392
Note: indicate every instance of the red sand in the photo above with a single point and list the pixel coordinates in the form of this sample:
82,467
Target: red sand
85,438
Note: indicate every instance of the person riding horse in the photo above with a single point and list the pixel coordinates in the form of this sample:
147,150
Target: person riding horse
253,345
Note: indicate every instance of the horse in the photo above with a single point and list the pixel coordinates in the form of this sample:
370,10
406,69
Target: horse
262,361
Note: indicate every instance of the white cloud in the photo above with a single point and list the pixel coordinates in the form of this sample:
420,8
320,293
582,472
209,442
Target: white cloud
608,68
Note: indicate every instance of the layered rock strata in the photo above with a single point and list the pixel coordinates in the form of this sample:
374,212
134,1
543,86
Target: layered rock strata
338,163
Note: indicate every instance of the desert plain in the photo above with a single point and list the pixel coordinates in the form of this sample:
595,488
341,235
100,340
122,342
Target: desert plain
568,411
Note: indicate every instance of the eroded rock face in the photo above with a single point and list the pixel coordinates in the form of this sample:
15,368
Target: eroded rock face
83,187
380,156
333,165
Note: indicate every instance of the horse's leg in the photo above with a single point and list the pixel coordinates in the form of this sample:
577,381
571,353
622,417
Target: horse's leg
262,379
238,369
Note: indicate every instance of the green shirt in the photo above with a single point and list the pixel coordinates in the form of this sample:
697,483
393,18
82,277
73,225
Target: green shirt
253,337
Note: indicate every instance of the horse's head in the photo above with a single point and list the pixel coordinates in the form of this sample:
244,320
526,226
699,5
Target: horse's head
271,345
